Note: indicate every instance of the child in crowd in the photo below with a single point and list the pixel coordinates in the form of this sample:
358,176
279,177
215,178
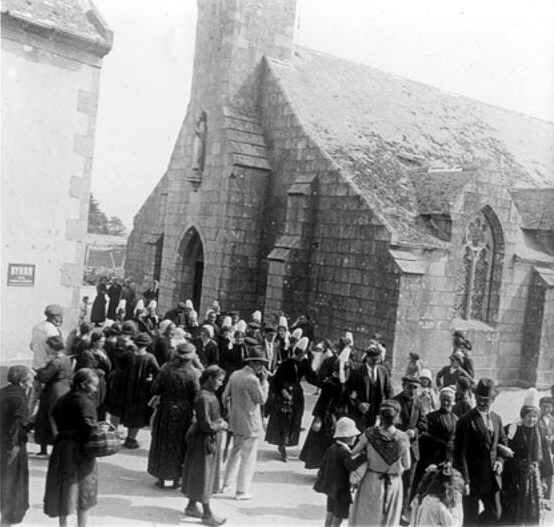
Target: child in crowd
84,310
333,476
438,502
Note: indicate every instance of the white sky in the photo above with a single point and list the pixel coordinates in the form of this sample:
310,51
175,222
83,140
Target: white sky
497,51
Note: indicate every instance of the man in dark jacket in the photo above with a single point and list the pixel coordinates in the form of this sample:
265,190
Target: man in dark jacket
206,347
368,387
412,421
479,447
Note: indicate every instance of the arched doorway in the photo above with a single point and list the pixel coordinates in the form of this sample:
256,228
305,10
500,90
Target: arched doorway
190,269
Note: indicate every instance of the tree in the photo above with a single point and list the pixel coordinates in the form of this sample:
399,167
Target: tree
98,222
116,227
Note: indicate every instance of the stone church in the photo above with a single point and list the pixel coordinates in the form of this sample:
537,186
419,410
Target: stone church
304,183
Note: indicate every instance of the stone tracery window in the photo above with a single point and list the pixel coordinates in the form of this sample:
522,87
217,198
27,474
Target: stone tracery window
477,278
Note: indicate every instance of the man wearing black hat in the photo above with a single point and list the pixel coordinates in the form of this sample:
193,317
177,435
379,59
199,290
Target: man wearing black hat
368,387
478,456
206,347
412,421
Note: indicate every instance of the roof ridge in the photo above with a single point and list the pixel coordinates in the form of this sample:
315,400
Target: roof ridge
420,83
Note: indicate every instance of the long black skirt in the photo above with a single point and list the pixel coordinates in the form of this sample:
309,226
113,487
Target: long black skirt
317,443
168,447
285,419
71,480
14,486
201,469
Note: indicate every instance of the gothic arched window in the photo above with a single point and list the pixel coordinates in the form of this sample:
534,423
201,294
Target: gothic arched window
479,278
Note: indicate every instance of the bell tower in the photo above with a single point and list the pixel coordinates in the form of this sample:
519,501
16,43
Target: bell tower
231,38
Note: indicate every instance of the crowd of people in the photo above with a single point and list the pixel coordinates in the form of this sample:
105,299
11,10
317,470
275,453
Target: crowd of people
434,454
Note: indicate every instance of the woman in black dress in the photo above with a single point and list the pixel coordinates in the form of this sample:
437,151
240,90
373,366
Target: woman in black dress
177,385
71,480
436,444
330,406
136,412
202,460
56,379
14,425
121,355
98,312
94,357
285,419
521,479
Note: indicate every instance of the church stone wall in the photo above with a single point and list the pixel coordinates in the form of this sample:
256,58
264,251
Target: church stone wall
148,226
331,257
427,315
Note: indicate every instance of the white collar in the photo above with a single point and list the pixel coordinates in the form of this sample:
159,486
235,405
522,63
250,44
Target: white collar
343,444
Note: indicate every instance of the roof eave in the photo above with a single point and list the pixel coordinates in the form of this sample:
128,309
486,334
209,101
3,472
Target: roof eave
100,46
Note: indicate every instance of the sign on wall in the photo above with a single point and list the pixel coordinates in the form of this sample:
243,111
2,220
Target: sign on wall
22,275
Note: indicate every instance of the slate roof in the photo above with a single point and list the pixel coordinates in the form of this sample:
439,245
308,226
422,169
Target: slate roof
436,190
536,207
76,18
369,122
246,139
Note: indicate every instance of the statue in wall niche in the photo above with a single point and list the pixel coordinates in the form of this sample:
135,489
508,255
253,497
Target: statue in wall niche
199,142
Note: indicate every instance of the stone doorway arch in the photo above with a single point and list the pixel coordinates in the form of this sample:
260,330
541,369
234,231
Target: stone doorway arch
190,269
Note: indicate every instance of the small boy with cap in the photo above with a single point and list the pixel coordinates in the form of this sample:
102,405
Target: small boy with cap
333,477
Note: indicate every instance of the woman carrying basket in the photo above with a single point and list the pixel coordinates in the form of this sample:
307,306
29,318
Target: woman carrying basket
71,480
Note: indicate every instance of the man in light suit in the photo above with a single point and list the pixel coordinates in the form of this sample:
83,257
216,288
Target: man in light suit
244,396
480,446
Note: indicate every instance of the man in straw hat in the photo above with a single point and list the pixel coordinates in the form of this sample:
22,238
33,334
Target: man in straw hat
477,455
244,395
